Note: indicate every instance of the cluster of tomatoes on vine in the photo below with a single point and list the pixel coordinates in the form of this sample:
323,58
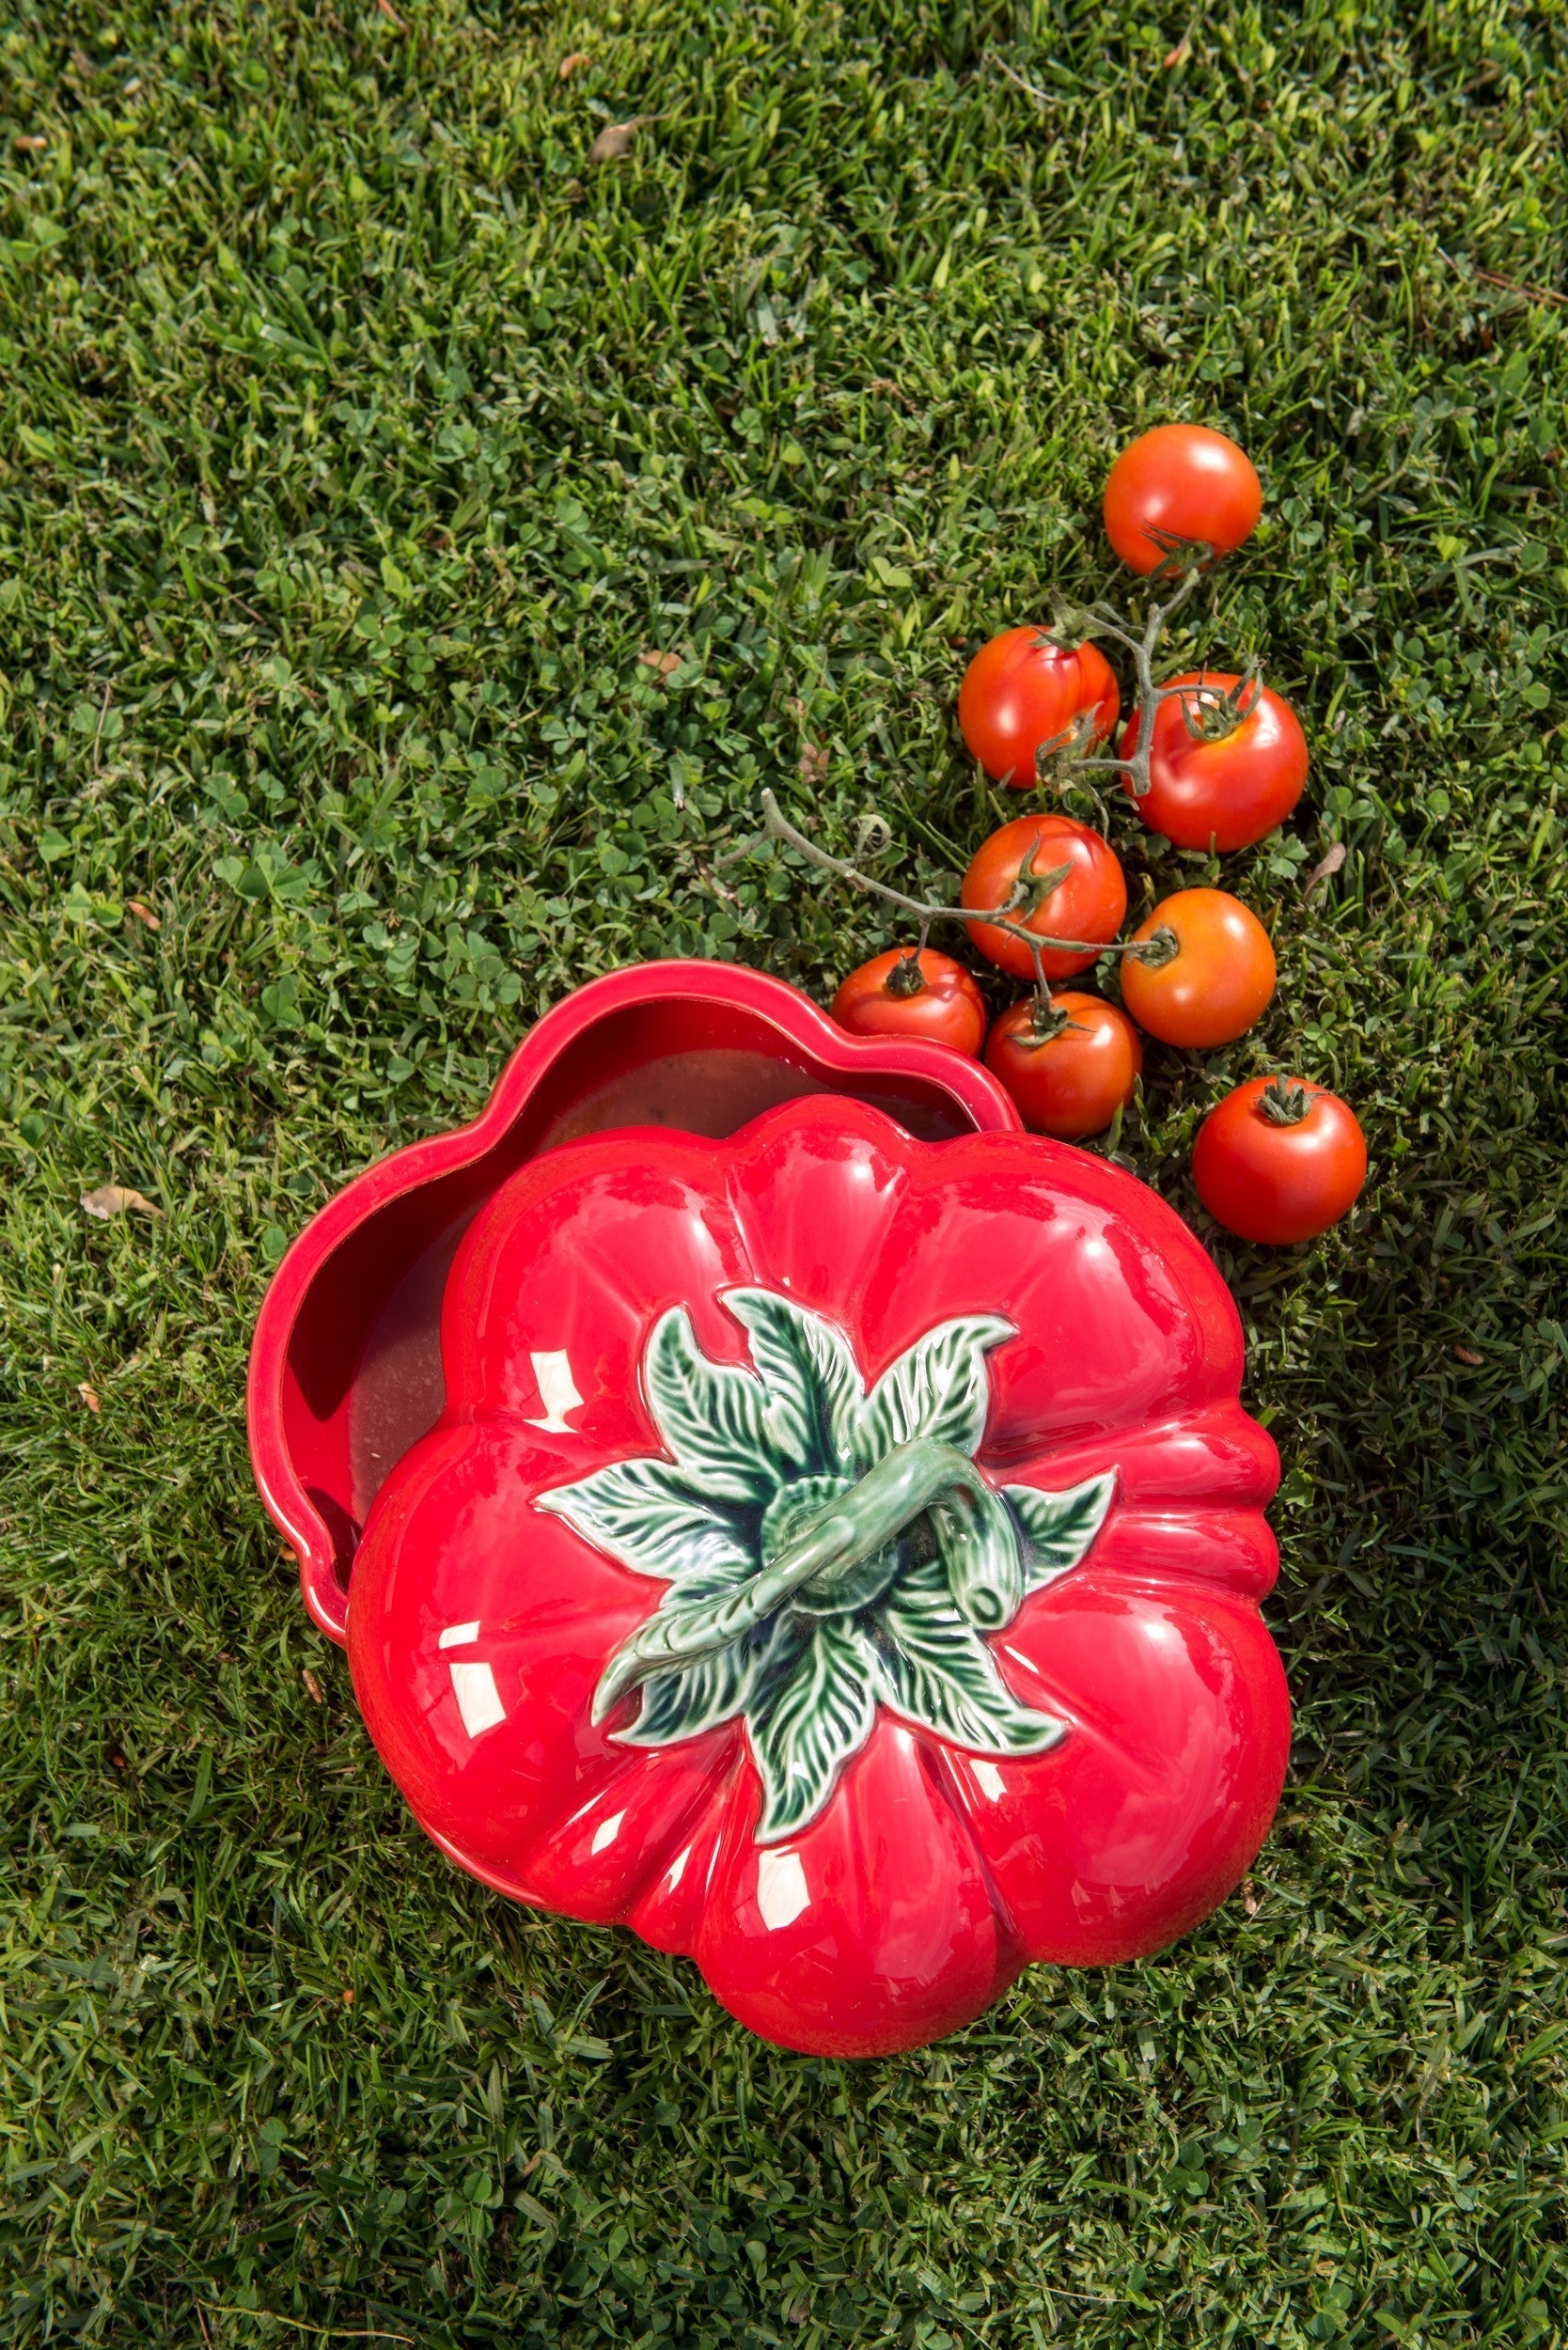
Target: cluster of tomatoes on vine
1211,760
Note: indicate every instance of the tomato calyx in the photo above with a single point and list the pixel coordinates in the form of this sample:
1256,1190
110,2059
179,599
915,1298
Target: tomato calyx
1071,744
906,978
1157,950
1285,1102
1047,1020
1031,889
1176,553
1209,716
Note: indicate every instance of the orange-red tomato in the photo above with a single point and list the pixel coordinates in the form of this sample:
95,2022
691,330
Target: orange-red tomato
1216,983
1087,902
1180,482
1229,791
904,994
1072,1080
1023,689
1279,1160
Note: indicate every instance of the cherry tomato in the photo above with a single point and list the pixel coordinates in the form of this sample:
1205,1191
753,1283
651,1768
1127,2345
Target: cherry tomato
1218,980
1087,902
1072,1070
1230,789
902,993
1279,1160
1180,481
1023,689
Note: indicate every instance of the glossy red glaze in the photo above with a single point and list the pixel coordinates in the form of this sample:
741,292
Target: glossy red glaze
345,1369
482,1622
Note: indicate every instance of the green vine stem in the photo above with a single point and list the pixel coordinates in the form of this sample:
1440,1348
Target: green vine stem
1208,710
1074,623
1159,949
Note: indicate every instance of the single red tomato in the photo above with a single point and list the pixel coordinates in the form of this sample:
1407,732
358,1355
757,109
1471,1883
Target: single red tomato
1279,1160
1069,1065
1181,483
1234,780
1024,689
1087,901
909,994
1214,983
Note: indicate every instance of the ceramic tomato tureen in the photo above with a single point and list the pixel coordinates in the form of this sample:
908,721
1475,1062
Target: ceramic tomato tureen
837,1556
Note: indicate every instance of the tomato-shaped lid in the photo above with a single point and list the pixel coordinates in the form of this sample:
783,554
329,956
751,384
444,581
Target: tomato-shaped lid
839,1560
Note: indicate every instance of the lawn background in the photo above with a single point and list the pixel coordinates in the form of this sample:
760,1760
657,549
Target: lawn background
358,439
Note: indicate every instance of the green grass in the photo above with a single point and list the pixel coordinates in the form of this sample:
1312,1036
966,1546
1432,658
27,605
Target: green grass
356,438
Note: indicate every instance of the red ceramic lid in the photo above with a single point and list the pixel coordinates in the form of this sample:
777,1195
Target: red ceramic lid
839,1560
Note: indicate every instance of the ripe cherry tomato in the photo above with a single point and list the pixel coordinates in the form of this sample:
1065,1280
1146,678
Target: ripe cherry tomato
1023,689
902,993
1087,902
1279,1160
1218,980
1181,481
1228,789
1070,1072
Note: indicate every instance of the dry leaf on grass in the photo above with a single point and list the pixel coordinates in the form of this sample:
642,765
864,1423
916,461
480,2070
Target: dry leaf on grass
391,15
614,139
1320,872
1468,1355
814,765
88,1397
143,914
665,663
114,1198
569,66
1250,1897
1180,54
313,1685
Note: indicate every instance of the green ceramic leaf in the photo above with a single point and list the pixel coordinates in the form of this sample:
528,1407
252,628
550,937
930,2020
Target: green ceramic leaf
682,1704
938,1673
821,1714
824,1550
710,1415
678,1705
644,1513
808,1369
938,1388
1060,1527
686,1628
